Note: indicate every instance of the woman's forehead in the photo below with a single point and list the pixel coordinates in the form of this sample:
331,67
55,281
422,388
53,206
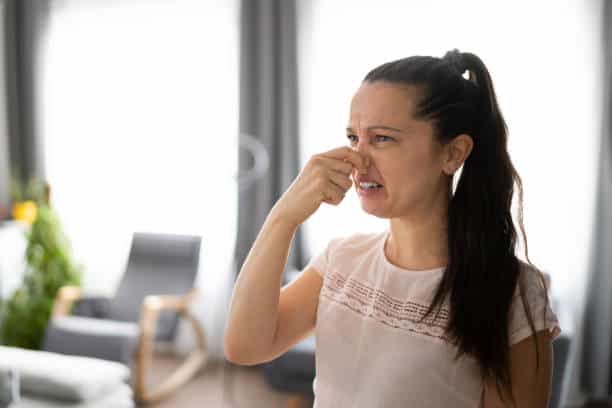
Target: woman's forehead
381,103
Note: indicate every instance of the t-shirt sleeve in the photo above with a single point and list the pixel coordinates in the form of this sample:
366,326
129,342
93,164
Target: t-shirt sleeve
542,314
320,261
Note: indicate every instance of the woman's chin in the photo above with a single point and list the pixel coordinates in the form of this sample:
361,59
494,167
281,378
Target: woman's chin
375,209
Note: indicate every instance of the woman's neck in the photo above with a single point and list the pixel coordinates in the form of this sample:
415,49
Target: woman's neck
420,243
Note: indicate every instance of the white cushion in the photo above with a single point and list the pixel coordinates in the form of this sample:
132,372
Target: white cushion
98,327
72,378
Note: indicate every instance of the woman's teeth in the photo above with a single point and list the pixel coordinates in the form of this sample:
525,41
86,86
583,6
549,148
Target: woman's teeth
365,185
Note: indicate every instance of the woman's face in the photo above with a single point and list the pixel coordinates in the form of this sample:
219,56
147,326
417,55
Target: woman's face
406,161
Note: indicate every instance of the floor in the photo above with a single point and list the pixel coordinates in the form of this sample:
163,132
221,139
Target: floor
220,384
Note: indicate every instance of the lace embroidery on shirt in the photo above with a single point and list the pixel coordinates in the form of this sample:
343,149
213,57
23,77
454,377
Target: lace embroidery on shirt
397,313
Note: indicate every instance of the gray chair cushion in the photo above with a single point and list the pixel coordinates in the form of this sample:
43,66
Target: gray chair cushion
92,306
99,307
91,337
67,378
158,264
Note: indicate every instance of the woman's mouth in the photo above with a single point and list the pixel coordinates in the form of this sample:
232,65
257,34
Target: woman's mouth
369,189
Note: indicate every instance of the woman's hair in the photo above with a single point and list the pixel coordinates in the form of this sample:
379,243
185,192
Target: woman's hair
483,270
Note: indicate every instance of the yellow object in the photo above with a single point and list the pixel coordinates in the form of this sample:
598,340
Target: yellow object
25,211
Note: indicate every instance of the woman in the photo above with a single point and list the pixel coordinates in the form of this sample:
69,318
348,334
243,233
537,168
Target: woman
437,311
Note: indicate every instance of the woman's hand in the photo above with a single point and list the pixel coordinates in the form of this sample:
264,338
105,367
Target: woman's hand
326,177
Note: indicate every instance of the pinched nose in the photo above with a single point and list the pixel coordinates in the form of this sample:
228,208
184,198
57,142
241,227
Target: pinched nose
366,158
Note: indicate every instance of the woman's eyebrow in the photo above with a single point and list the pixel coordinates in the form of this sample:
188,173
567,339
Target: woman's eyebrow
381,127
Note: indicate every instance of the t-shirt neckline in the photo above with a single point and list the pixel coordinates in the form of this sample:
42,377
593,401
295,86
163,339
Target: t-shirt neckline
381,251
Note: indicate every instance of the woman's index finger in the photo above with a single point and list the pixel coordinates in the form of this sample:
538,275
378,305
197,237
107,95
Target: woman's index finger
348,155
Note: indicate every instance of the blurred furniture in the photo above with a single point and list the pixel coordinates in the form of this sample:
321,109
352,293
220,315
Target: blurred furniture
13,244
156,288
561,352
294,371
9,386
50,380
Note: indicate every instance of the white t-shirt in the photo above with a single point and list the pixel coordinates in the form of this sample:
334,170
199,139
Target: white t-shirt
370,350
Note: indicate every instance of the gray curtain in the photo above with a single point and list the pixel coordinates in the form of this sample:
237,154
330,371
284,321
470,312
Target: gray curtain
4,142
269,141
25,23
596,349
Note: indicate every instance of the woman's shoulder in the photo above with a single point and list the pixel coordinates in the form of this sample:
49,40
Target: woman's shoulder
535,286
533,279
345,248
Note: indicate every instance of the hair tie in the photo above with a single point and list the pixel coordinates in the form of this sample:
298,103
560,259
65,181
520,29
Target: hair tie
455,58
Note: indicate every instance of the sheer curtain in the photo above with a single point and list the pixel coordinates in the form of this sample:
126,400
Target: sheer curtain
544,60
140,126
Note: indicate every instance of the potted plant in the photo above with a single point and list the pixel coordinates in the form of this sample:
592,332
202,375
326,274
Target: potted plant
49,267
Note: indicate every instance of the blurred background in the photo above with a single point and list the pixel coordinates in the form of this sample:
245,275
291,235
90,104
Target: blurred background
192,117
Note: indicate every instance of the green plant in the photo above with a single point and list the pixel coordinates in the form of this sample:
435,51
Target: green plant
49,267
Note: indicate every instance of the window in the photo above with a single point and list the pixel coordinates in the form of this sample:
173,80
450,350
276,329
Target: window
140,123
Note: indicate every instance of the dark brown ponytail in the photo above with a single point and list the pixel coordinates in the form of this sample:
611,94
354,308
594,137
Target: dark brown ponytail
483,269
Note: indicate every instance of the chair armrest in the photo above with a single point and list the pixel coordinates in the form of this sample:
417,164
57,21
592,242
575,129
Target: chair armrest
153,304
66,296
169,302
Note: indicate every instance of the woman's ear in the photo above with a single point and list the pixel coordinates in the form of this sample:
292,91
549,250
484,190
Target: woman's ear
457,152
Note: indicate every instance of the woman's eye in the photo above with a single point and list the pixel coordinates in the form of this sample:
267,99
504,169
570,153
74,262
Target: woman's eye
349,137
384,137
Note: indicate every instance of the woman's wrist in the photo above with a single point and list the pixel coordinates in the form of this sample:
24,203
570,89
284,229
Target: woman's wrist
278,218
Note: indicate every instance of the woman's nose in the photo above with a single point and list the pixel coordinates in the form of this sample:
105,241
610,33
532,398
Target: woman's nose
360,147
363,150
